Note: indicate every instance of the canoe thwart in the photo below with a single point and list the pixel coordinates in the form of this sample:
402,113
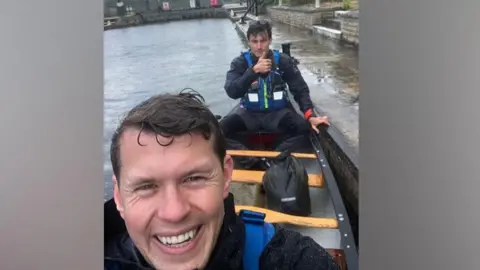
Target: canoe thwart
255,177
277,217
270,154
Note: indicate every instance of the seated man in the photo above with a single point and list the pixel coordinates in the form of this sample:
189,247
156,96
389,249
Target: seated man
258,78
172,208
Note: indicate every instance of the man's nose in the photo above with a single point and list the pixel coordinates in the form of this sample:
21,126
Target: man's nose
175,206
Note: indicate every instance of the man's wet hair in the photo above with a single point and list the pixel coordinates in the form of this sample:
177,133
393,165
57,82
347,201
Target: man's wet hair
257,27
169,116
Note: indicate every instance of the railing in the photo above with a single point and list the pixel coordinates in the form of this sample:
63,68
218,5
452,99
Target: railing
252,5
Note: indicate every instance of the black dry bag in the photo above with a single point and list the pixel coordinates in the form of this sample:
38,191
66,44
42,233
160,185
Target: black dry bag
286,185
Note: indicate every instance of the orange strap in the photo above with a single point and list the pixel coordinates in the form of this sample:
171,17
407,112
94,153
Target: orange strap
308,113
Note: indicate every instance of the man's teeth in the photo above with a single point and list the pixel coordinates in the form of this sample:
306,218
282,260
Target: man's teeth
178,239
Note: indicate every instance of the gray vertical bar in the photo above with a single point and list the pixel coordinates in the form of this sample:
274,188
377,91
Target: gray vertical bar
419,72
51,136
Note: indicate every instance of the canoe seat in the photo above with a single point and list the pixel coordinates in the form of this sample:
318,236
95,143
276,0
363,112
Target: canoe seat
271,154
277,217
255,177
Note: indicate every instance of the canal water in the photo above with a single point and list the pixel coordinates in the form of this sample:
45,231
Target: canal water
143,61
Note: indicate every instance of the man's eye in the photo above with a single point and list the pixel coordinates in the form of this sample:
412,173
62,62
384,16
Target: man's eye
194,179
145,187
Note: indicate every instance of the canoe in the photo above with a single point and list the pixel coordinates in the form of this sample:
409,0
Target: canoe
329,224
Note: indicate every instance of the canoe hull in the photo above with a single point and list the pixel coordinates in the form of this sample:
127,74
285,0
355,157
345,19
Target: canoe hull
322,204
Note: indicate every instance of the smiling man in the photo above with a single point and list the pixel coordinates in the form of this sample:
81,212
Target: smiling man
172,209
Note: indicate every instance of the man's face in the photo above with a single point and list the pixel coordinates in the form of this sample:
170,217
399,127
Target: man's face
259,43
171,197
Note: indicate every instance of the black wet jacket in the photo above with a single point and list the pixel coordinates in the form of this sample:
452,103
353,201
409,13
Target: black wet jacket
240,77
286,250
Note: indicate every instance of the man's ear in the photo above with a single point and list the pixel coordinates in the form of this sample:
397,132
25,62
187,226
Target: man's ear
227,174
117,196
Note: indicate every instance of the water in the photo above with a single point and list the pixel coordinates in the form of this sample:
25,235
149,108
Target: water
147,60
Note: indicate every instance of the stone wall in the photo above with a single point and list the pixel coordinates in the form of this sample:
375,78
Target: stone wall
110,11
152,5
350,27
299,17
164,16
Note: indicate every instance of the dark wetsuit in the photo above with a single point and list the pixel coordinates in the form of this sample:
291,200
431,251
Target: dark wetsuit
286,250
285,121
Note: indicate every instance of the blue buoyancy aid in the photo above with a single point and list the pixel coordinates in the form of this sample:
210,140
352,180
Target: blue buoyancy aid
266,94
258,234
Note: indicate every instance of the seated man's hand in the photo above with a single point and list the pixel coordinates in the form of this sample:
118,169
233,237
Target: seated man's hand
264,65
319,120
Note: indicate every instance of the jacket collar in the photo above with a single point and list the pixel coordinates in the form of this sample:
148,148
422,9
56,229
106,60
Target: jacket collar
227,252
